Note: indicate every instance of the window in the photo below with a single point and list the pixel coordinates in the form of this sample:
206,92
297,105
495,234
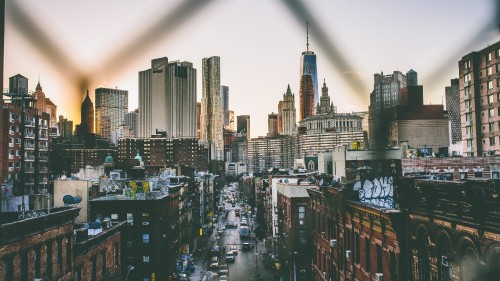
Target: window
130,219
68,254
114,216
367,255
489,70
478,174
491,112
116,254
59,256
24,266
379,258
357,252
488,57
37,261
145,259
492,141
78,274
491,98
302,214
49,259
490,85
492,127
93,269
145,238
468,116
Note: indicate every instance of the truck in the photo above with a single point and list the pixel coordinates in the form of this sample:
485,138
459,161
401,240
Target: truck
244,232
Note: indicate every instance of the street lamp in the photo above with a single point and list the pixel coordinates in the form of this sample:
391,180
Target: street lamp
130,268
294,267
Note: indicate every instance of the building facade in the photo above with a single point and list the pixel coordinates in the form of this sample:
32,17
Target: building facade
308,67
131,120
225,105
479,76
110,108
243,126
306,93
44,104
272,124
287,115
167,99
87,116
453,107
212,117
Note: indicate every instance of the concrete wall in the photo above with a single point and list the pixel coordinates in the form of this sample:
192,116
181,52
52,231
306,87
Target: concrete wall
74,188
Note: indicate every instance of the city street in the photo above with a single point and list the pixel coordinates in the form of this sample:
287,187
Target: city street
248,264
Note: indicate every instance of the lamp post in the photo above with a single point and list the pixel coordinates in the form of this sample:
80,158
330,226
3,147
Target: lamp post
294,267
130,268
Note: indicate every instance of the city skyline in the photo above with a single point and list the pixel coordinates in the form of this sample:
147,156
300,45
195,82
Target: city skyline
250,50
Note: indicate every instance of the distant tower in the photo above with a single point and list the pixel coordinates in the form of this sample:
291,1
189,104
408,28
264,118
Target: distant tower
453,108
132,121
211,119
111,105
198,124
225,105
325,106
412,78
288,113
308,66
243,126
272,124
306,96
87,116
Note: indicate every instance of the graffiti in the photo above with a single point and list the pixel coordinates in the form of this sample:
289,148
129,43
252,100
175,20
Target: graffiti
31,214
379,191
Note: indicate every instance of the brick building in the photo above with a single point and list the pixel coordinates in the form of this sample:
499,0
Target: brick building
97,256
453,229
39,246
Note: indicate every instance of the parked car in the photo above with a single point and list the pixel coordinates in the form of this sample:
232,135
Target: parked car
229,257
223,270
214,262
223,278
246,246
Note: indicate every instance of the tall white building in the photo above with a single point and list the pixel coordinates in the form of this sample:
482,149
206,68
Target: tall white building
167,99
212,118
110,108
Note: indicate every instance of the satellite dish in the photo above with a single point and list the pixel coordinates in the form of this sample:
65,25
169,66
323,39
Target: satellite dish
68,200
85,226
77,199
94,225
285,181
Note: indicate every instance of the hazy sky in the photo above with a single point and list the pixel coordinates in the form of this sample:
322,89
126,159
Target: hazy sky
107,42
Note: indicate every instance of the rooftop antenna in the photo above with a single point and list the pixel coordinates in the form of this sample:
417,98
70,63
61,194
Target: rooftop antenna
307,37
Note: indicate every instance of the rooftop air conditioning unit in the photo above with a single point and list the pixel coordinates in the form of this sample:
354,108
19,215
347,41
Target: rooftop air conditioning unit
333,243
379,277
348,254
323,234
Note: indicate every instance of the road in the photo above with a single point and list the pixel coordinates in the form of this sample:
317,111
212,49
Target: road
248,264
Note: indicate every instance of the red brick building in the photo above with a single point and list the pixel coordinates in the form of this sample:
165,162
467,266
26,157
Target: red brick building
39,246
97,257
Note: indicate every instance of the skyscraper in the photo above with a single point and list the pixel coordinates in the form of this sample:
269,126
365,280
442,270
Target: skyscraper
167,99
308,66
453,107
243,126
385,95
272,124
306,96
211,118
225,105
44,104
132,121
412,78
288,113
110,108
87,116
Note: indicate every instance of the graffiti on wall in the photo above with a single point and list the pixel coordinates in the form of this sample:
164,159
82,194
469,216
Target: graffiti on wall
379,191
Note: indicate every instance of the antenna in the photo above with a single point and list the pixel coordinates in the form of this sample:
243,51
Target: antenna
307,37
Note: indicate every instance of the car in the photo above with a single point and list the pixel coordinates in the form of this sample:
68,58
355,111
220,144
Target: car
214,262
223,270
223,278
229,257
246,246
233,249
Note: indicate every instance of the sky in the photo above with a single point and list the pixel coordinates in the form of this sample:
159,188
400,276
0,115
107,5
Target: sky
72,45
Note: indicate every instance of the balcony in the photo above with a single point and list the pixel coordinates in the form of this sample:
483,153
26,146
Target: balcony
43,137
469,136
469,149
11,169
44,158
11,132
29,123
43,126
11,144
469,123
11,157
43,147
12,120
44,170
29,146
468,109
29,170
44,180
29,158
29,182
466,70
467,96
466,83
29,135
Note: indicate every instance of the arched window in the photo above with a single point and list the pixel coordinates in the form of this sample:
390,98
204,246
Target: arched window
423,258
